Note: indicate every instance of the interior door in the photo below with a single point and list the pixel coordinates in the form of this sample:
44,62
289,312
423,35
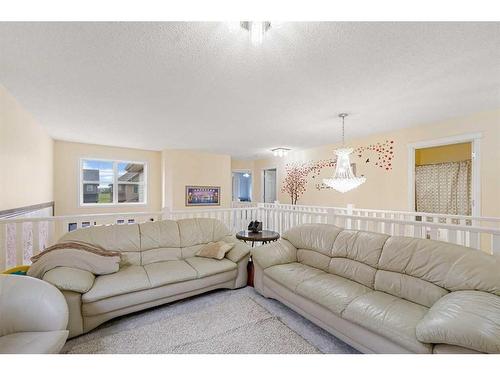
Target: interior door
269,185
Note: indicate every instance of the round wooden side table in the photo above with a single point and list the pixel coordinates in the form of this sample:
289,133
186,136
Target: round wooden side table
265,236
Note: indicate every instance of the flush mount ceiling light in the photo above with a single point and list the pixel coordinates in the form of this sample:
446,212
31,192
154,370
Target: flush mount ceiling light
246,175
257,30
280,151
344,179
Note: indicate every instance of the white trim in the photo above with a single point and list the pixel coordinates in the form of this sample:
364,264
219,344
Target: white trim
115,203
475,139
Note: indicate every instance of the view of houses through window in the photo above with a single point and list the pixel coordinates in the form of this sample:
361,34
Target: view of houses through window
112,182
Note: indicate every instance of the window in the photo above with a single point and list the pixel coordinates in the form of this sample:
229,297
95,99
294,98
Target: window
112,182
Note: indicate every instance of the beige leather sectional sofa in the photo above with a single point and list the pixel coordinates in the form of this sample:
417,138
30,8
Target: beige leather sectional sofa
33,316
385,294
158,266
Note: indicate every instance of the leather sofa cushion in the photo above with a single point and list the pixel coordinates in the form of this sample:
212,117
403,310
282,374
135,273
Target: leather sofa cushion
74,279
364,247
467,318
201,230
126,280
313,258
389,316
173,271
452,349
161,254
449,266
206,266
331,291
159,234
275,253
129,301
408,287
317,237
353,270
130,258
190,251
110,237
291,275
28,304
50,342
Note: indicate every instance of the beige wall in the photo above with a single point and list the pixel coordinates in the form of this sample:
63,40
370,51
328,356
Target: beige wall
67,157
443,154
184,167
247,165
389,189
26,153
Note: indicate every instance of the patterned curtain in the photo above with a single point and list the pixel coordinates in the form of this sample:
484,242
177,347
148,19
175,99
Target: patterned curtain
444,188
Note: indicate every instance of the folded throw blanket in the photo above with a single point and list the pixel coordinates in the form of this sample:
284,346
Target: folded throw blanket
75,254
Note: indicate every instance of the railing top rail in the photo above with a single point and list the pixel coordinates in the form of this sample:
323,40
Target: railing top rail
469,228
78,217
429,214
412,213
197,210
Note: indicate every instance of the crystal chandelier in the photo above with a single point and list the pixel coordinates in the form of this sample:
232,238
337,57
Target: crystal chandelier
344,179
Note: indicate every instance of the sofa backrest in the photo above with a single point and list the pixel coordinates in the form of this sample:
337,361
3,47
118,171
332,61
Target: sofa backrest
447,266
152,241
418,270
124,238
350,254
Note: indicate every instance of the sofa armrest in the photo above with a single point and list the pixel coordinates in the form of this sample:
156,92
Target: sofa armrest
72,279
470,319
280,252
239,251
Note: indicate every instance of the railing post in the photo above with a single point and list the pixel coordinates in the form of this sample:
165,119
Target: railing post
165,215
330,216
350,208
495,244
3,247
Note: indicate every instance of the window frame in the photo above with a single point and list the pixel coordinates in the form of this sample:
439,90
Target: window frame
115,202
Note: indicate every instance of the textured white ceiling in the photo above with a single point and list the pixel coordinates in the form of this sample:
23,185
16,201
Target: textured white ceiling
203,86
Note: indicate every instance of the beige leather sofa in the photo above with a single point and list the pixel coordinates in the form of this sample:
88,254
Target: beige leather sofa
385,294
33,316
158,266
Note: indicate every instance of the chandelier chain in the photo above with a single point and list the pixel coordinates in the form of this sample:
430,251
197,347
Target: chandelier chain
343,131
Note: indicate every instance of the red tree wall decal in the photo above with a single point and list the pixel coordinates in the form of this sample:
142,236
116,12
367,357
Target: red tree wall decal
295,181
296,178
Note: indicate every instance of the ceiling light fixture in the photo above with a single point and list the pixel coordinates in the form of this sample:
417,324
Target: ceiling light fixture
280,151
256,30
344,179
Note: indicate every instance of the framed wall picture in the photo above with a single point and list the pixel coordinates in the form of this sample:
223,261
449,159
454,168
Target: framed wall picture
202,195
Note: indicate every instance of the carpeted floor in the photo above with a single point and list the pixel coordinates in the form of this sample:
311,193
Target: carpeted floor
224,321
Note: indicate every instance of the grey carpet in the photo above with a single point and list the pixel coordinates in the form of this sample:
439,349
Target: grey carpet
226,321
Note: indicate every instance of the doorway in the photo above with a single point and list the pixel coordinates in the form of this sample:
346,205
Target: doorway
269,185
444,177
242,186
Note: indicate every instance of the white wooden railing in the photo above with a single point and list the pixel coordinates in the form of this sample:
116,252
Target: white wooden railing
23,237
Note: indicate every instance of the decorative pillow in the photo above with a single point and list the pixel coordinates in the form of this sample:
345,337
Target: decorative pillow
215,250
